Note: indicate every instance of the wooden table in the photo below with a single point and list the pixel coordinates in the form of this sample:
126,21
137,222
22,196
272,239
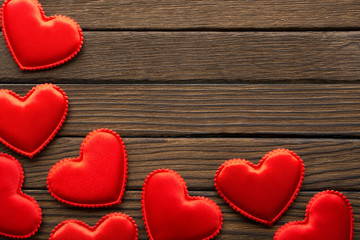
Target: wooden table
190,84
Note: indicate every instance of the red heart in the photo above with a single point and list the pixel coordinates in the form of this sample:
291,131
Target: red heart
113,226
170,213
37,41
20,215
97,177
261,192
28,124
328,216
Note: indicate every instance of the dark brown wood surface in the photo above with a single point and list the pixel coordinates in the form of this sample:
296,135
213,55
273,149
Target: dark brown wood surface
190,84
329,163
235,225
198,110
213,14
203,57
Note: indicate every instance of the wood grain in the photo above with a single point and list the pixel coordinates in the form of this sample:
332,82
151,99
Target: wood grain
202,57
235,225
329,163
226,71
212,110
182,14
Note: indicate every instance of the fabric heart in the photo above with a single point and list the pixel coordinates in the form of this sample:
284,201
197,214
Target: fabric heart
36,41
171,214
97,177
328,216
261,192
113,226
20,215
28,124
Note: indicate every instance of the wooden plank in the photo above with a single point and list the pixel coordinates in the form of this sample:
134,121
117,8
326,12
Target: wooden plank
202,57
235,225
212,110
329,163
182,14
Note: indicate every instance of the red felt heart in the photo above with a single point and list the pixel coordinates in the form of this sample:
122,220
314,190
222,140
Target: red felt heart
28,124
97,177
37,41
20,215
171,214
261,192
328,216
113,226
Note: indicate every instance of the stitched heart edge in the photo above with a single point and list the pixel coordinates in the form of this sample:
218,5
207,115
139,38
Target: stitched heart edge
308,207
19,192
45,18
23,99
243,161
177,175
92,229
85,205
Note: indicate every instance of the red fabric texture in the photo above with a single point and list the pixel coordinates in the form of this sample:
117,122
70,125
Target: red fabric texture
28,124
20,215
171,214
36,41
97,177
328,216
113,226
261,192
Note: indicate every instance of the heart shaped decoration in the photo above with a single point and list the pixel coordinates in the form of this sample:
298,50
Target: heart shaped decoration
20,215
261,192
36,41
97,177
113,226
328,216
170,213
28,124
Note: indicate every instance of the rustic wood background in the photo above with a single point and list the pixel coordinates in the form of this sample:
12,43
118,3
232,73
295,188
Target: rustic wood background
190,84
